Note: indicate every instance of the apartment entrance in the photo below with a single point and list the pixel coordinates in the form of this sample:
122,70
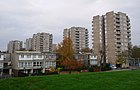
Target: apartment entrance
37,71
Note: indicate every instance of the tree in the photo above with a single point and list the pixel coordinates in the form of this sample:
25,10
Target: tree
121,59
66,59
135,52
86,50
65,49
72,64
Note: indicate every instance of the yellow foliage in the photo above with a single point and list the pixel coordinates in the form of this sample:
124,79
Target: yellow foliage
52,69
65,49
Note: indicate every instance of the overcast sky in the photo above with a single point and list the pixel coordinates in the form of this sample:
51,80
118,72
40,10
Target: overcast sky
20,19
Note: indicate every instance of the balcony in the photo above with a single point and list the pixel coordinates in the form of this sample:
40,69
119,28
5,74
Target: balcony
128,31
118,26
128,20
118,33
118,50
117,18
129,35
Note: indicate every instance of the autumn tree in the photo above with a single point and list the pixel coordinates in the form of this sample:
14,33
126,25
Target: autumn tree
121,58
86,50
66,58
65,49
72,64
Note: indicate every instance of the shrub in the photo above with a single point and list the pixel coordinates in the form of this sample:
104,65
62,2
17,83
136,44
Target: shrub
94,68
107,67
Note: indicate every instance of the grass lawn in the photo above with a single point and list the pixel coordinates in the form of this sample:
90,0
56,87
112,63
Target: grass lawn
118,80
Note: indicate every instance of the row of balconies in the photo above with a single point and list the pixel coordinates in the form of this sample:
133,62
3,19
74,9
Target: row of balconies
35,66
34,57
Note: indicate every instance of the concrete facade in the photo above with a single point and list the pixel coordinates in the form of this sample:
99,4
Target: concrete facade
5,64
40,42
28,44
1,63
89,59
116,27
32,62
79,37
14,46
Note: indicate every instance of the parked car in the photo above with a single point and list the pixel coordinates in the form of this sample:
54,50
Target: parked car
113,66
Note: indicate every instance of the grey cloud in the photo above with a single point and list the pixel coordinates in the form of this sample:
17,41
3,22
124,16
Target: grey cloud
19,19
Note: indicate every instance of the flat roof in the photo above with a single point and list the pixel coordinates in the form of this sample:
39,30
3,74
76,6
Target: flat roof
27,52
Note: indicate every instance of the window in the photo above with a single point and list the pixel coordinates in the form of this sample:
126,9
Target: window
40,63
25,64
34,56
118,39
46,56
21,64
22,56
29,64
50,56
28,56
118,42
1,64
34,64
40,56
37,63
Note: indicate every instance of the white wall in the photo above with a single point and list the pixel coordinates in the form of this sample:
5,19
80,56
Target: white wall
30,58
48,64
93,60
1,64
2,57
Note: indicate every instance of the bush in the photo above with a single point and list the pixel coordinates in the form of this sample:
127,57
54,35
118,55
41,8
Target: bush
91,69
106,68
94,68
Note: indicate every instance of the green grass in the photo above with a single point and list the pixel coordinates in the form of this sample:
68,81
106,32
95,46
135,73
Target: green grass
119,80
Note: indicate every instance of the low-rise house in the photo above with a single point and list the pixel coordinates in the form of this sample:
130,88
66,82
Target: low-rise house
32,62
1,63
49,60
5,64
133,63
89,59
93,59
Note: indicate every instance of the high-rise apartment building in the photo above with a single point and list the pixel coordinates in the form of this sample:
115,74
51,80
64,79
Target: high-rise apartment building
79,37
28,44
40,42
14,46
111,35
